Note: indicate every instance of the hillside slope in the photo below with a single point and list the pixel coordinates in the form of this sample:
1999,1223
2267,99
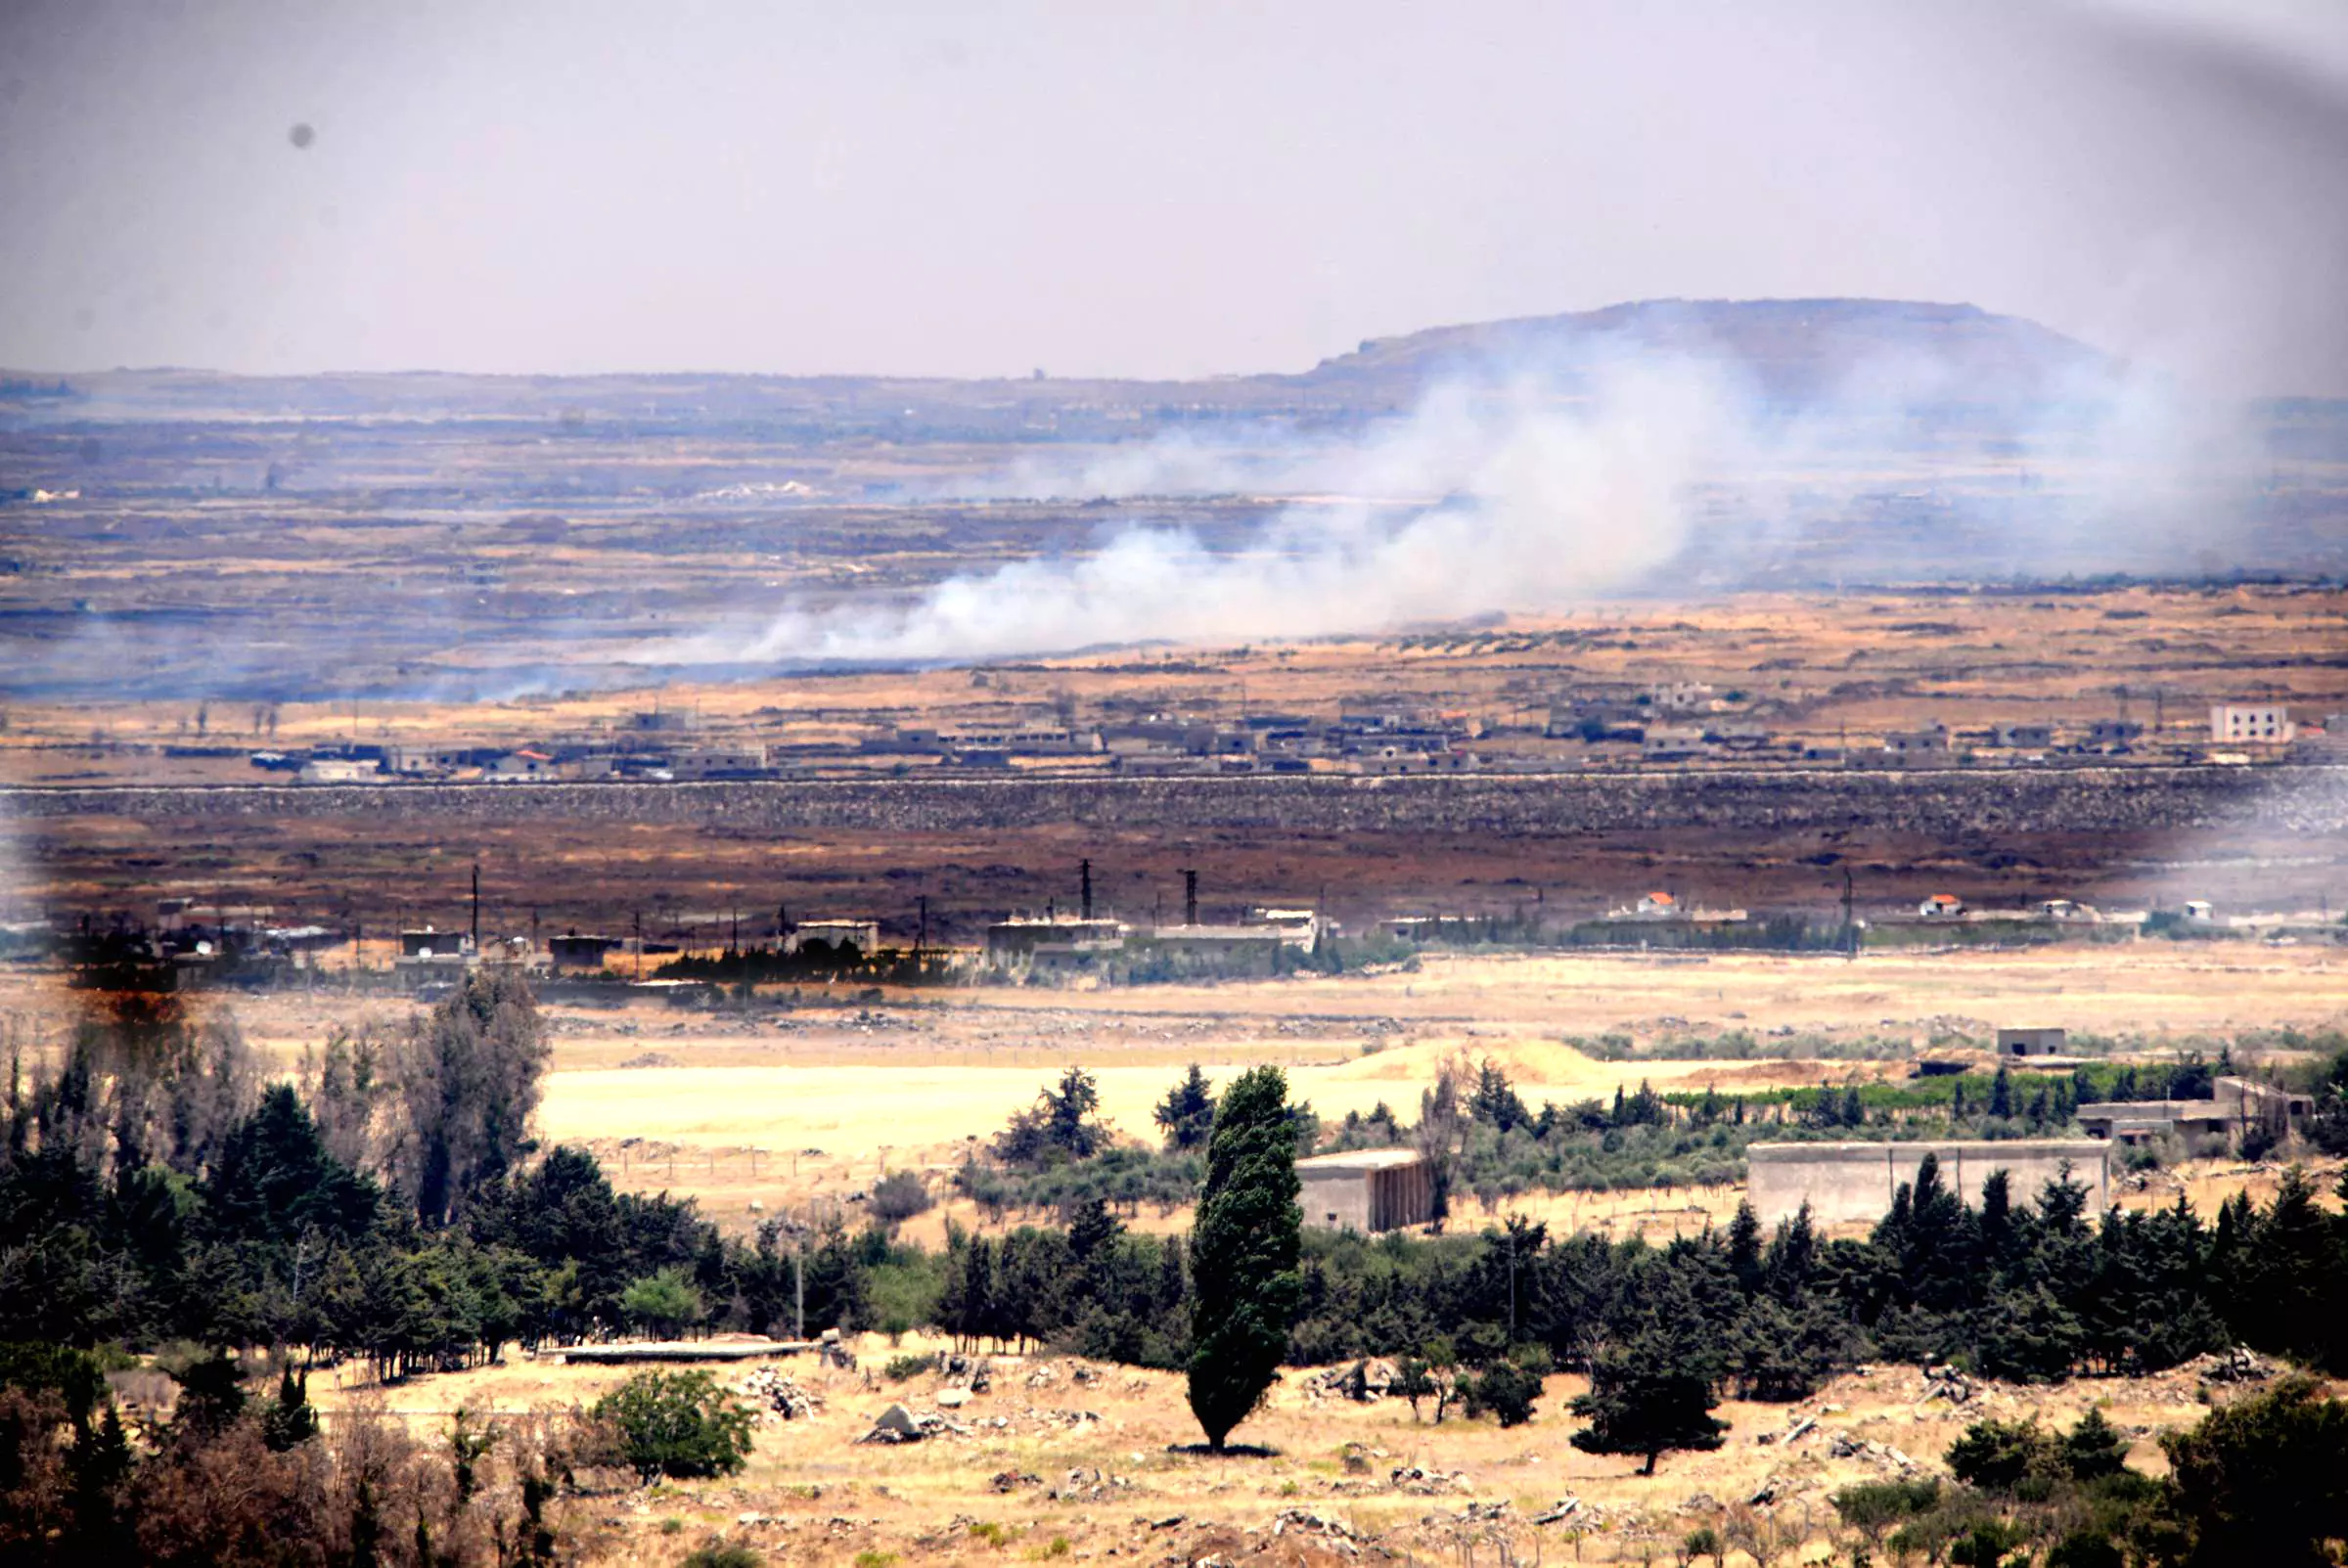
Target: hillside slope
1794,350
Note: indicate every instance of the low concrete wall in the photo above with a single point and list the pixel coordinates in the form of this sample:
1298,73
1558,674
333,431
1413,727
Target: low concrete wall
1845,1181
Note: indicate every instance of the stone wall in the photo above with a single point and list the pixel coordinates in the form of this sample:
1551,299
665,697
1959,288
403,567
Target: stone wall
1848,1181
1945,804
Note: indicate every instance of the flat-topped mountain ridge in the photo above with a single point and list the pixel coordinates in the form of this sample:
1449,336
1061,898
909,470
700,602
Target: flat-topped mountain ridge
1856,351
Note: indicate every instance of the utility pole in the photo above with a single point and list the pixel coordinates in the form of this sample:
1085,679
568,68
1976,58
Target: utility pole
476,906
1850,930
636,920
1084,875
921,938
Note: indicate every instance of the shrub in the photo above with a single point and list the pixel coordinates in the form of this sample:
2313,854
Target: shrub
898,1196
902,1367
677,1424
726,1555
1997,1456
1508,1390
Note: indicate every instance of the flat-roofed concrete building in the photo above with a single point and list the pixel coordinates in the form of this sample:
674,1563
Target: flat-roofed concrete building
835,936
1846,1182
2236,1105
2031,1042
1369,1190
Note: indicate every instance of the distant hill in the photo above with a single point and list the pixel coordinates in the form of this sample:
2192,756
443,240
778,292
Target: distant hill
1795,350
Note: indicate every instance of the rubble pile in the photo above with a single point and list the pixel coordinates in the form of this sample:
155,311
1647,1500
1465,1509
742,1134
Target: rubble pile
976,1373
1573,1510
772,1393
1947,1383
1333,1533
1365,1382
1424,1483
1086,1485
1846,1446
2239,1365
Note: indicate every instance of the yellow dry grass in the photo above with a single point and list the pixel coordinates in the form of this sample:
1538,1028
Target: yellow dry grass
812,1495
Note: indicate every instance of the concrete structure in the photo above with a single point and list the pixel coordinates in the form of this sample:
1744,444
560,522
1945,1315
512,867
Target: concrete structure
1856,1182
1023,934
1369,1191
2236,1105
519,767
572,951
1224,949
2139,1121
2114,732
1301,929
1672,743
2018,1043
337,769
429,943
2237,721
835,936
1917,745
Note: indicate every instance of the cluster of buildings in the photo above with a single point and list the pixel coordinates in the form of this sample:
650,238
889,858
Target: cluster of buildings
1055,943
1672,722
1362,738
657,747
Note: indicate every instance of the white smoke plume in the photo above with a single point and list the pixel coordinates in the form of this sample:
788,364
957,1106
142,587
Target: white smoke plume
1518,491
1490,496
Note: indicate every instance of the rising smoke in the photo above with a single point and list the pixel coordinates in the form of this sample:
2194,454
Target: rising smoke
1486,498
1518,489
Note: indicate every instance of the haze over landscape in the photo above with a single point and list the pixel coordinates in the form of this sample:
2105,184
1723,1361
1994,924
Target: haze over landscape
1199,784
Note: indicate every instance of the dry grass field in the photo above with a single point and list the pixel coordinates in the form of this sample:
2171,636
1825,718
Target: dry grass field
1099,1457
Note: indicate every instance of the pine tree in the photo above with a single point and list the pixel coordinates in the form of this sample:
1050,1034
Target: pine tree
1744,1248
1245,1247
1188,1113
1646,1398
291,1422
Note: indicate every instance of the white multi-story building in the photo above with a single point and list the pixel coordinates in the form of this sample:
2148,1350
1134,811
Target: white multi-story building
2237,721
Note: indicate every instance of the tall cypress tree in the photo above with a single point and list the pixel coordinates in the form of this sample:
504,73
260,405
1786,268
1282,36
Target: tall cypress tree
1244,1284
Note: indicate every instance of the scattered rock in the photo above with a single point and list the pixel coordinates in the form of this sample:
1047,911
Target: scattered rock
770,1390
2239,1365
897,1424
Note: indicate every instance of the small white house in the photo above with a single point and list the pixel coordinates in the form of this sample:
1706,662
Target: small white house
1941,906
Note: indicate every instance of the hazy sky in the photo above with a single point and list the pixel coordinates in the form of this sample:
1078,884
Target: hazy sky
1173,190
